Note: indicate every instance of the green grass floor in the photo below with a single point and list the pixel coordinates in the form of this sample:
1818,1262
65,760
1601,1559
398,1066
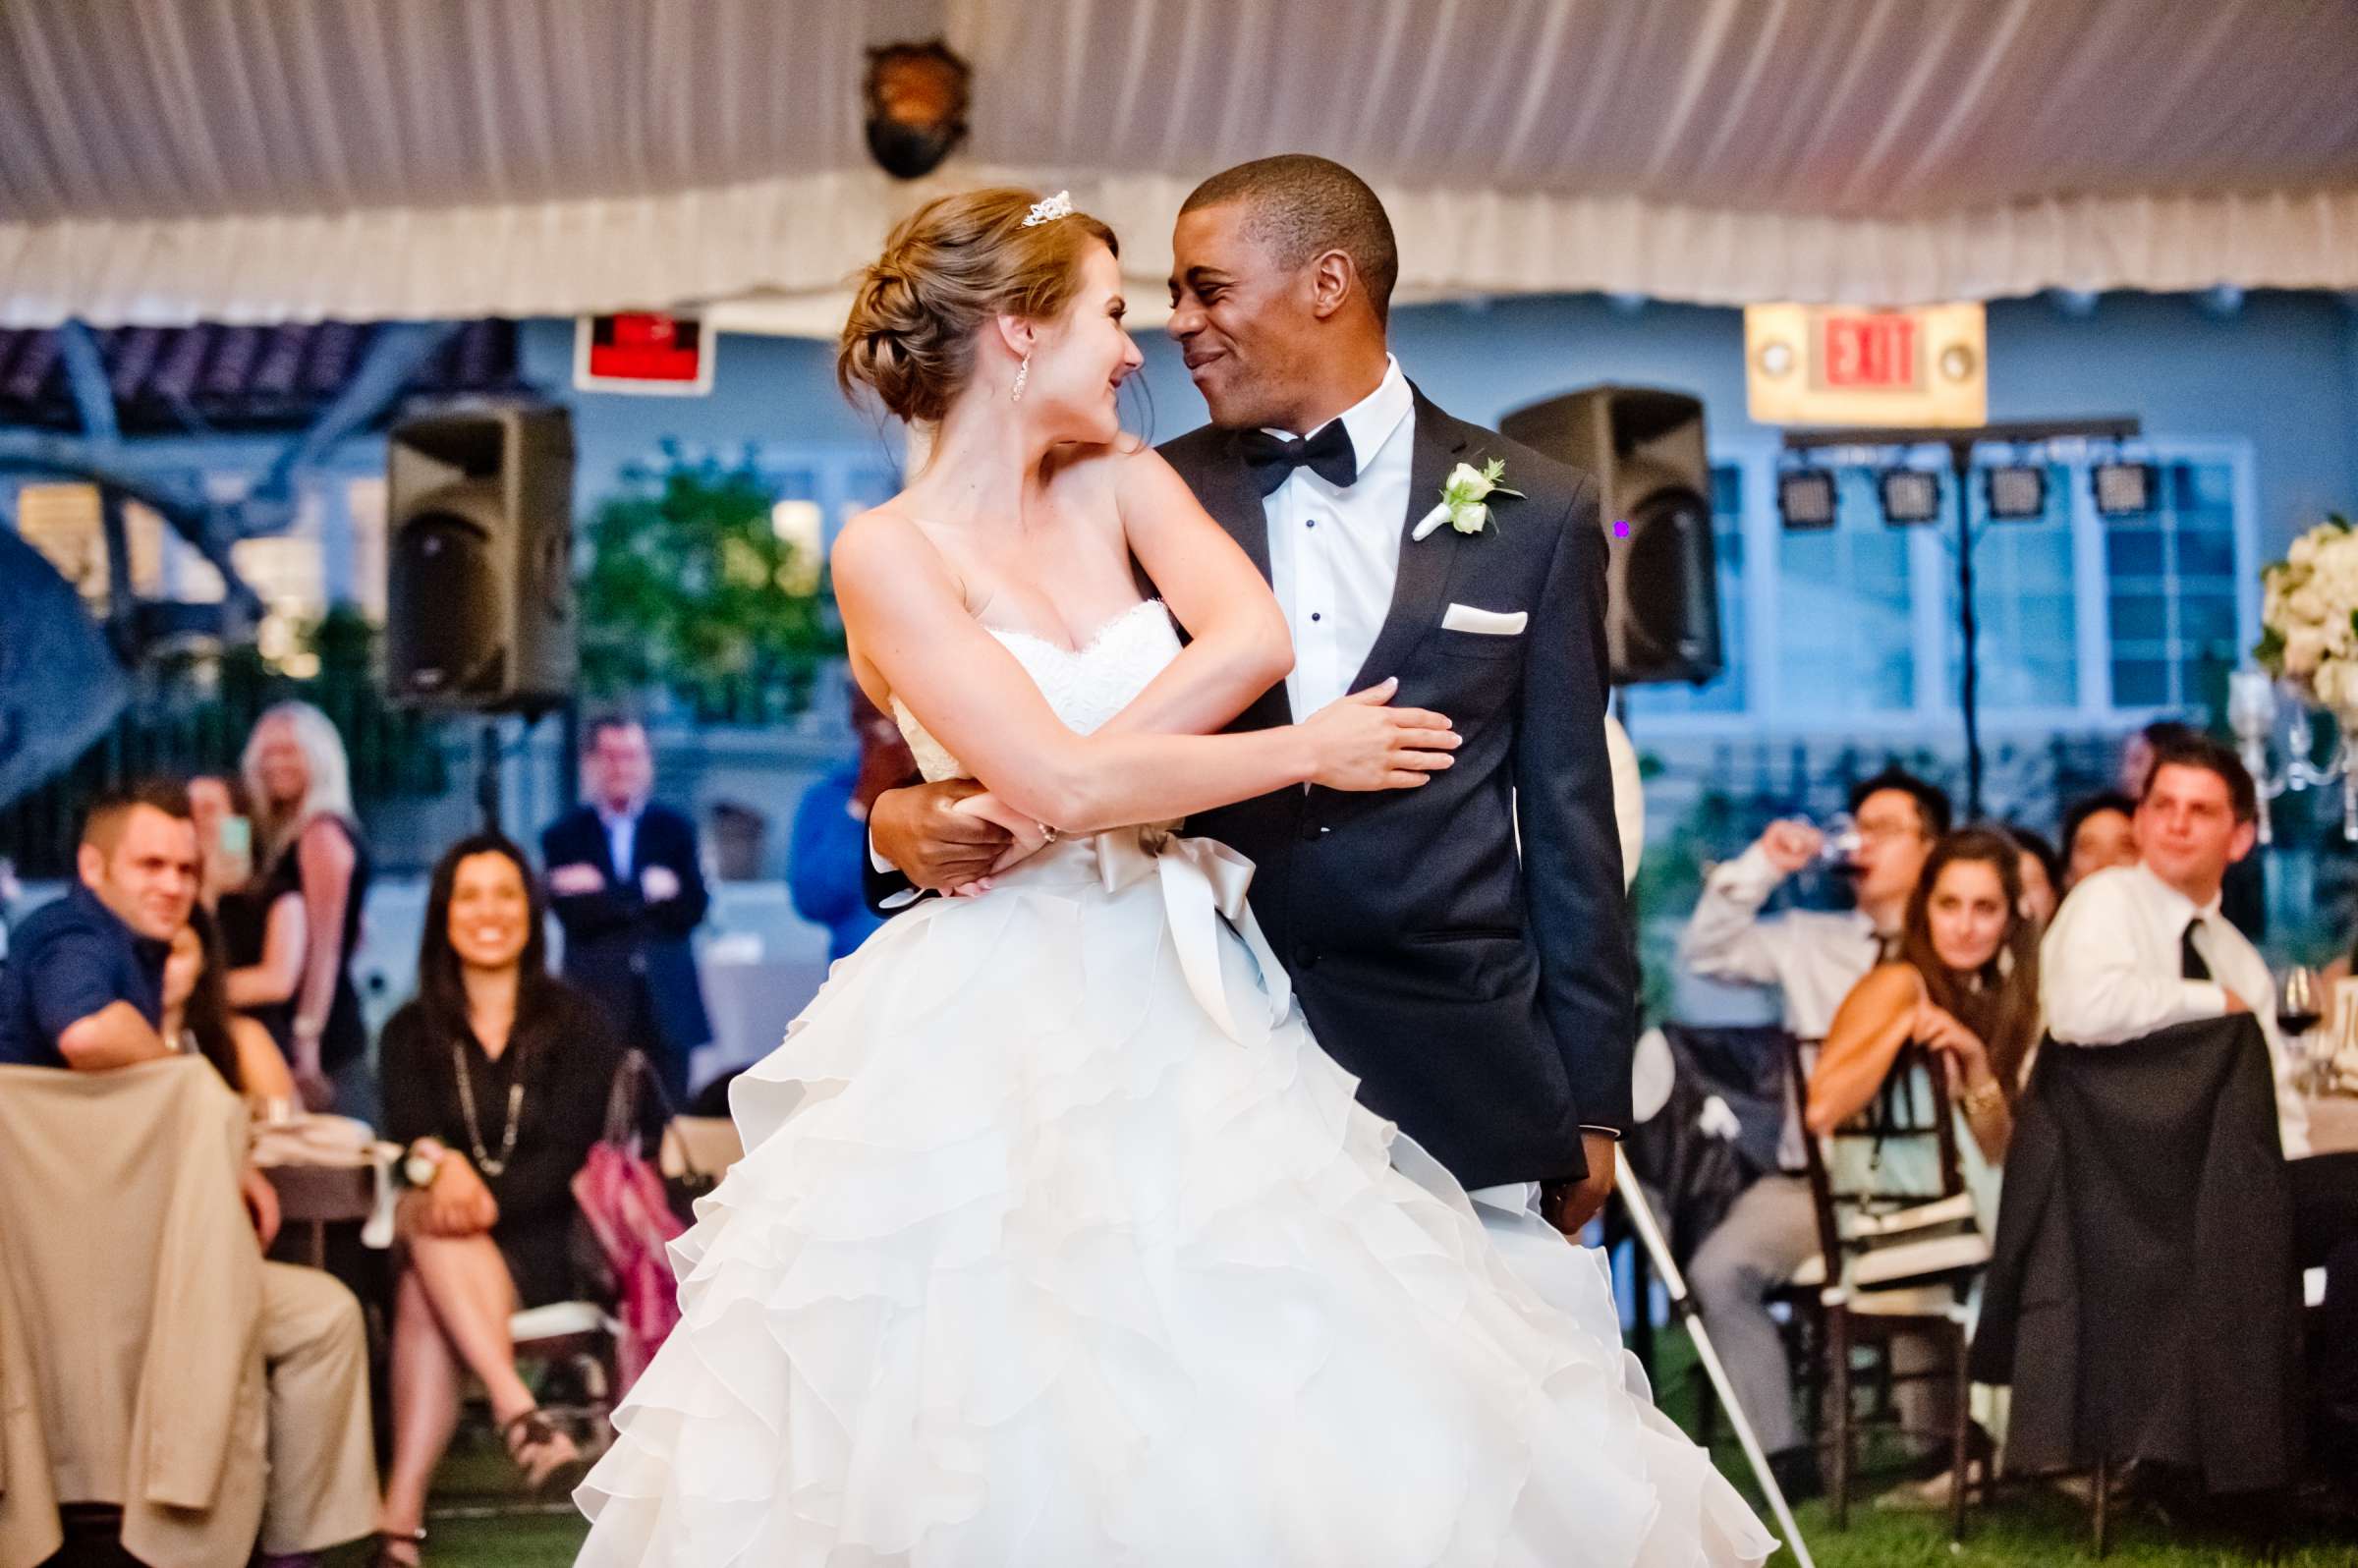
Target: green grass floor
2028,1528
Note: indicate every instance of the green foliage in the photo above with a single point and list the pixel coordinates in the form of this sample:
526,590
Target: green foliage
688,585
1669,882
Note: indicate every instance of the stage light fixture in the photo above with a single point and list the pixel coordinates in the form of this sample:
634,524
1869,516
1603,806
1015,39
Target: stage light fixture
1806,498
1910,496
2124,489
2017,492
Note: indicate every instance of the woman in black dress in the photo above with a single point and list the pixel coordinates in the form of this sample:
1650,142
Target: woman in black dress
308,841
495,1080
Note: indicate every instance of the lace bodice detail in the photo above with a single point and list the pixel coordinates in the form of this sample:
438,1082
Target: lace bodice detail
1086,686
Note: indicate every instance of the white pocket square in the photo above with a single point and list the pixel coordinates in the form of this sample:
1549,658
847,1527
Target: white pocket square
1487,622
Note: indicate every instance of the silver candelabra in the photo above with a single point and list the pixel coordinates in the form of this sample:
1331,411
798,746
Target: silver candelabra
2255,705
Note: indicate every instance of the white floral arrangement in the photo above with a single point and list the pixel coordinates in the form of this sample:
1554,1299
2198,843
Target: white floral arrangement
2309,616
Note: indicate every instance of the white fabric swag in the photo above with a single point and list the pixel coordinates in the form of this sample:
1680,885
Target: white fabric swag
165,160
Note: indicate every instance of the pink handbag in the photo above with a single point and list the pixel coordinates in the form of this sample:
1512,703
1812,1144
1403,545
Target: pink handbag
621,1199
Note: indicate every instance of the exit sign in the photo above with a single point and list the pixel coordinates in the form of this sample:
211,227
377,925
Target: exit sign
1843,366
1869,350
641,351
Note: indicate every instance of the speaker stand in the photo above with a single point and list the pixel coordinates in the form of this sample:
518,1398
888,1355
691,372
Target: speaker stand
486,774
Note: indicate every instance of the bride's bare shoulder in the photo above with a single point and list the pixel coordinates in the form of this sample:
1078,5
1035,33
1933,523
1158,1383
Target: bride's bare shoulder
1105,471
882,546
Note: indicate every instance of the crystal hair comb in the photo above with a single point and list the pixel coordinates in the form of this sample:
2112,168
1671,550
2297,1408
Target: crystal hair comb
1059,205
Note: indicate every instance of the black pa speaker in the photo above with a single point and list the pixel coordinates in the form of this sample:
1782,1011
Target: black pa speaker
1646,449
478,531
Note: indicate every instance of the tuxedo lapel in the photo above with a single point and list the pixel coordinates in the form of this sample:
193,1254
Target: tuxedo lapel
601,845
1228,493
1421,588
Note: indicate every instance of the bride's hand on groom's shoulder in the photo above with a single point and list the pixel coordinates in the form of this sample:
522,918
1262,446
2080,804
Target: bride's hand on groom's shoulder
1361,741
939,848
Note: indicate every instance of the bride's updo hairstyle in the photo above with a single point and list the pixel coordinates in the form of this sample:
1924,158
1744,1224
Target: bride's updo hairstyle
947,270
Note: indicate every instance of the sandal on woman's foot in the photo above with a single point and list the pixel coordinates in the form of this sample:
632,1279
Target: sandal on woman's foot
538,1448
398,1548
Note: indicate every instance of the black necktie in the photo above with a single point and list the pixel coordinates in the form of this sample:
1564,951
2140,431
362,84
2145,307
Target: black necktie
2191,963
1327,454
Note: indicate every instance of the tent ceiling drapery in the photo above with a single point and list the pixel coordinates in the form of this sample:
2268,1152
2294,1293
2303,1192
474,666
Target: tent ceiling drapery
166,160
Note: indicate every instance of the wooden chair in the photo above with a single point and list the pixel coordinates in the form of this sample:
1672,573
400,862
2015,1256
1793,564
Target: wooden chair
1891,1263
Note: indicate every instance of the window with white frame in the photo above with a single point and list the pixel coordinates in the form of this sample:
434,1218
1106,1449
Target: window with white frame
2172,579
2081,617
1845,615
2028,628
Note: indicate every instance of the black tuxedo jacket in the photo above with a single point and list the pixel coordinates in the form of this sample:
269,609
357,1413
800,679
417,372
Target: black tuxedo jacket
1485,994
615,939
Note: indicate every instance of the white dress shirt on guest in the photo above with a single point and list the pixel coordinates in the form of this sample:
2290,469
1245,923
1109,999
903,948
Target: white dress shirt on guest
622,837
1335,554
2111,970
1813,957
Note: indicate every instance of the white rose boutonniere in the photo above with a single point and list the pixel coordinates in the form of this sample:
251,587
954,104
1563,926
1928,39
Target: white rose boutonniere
1465,503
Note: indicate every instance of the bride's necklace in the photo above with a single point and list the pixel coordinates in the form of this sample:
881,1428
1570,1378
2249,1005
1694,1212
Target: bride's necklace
483,1159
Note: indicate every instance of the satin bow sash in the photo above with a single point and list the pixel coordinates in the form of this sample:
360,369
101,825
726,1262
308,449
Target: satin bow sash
1202,879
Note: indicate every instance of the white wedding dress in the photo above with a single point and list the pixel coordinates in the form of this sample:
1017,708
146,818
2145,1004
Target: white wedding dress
1059,1243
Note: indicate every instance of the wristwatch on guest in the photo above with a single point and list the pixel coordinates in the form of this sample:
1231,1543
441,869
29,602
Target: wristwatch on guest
422,1163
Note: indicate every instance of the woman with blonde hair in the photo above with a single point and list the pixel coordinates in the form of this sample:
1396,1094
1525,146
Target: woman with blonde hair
308,841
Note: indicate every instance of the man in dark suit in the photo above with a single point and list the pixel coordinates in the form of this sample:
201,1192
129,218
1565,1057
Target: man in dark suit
1481,986
625,883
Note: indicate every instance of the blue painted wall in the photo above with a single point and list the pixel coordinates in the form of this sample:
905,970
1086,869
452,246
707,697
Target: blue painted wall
2281,373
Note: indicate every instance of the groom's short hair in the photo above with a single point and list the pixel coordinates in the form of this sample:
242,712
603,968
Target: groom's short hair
1305,206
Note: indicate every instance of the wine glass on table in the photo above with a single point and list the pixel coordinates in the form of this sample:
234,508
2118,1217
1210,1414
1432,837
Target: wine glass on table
2300,1005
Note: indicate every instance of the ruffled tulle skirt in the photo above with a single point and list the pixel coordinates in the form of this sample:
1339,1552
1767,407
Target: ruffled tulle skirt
1028,1263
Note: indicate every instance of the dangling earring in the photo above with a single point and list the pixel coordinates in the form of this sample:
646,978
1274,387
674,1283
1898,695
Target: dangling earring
1023,374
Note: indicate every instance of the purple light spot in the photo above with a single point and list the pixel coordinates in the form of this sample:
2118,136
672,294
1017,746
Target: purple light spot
1620,527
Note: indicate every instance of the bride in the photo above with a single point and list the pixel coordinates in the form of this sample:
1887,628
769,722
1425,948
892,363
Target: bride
1057,1240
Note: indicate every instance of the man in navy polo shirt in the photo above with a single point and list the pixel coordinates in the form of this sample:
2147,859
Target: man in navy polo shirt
83,988
83,983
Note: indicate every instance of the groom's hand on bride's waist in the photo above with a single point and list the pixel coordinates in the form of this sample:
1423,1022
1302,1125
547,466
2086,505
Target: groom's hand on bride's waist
938,848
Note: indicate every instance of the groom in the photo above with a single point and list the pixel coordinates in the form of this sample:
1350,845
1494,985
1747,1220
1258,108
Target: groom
1482,989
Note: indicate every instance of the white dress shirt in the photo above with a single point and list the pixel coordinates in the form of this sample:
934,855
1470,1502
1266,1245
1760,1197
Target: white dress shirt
1335,553
622,837
2111,970
1812,957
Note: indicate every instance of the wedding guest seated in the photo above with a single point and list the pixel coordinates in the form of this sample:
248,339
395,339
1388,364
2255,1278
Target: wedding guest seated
1811,958
2098,832
2042,872
1962,999
224,845
110,975
496,1079
2138,948
1964,987
197,1016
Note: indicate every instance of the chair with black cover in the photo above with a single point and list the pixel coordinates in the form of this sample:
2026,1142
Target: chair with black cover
2143,1302
1906,1255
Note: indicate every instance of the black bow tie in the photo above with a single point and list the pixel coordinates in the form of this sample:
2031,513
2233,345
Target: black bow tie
1327,454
